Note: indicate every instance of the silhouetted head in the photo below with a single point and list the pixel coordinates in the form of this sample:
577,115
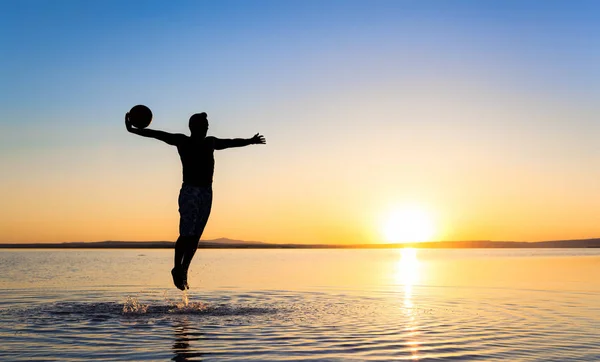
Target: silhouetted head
199,124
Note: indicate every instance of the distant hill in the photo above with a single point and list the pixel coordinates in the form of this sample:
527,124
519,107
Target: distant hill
241,244
231,241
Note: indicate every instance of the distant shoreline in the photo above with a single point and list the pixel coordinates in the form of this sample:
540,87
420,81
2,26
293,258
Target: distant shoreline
224,243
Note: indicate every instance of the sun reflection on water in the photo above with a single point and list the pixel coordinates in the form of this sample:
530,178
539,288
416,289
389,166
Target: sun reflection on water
408,271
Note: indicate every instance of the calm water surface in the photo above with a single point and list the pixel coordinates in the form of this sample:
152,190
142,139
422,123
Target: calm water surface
298,305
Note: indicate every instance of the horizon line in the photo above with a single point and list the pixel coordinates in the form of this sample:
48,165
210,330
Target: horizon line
235,244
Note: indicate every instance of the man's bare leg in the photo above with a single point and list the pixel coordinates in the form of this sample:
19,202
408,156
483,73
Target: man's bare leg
191,245
177,271
185,248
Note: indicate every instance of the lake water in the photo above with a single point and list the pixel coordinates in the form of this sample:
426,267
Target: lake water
299,305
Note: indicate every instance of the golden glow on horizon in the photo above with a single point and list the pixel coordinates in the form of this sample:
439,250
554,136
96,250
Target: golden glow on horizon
411,224
507,199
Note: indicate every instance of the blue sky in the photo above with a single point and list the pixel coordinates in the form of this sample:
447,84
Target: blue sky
62,54
504,85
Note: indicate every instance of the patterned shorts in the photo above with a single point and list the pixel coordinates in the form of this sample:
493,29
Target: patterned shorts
194,208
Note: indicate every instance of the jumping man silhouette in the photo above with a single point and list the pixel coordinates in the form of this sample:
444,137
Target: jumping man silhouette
195,196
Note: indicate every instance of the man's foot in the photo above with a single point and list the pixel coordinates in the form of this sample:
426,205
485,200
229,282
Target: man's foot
178,279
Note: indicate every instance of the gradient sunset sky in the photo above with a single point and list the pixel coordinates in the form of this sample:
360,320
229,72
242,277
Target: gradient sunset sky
483,113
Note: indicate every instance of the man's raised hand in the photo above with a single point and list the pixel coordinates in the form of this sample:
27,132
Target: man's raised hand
128,122
258,139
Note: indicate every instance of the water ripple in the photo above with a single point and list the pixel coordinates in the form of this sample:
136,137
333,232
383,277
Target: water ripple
303,325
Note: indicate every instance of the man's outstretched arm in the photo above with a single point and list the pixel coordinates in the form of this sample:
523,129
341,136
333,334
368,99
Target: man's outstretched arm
221,144
167,137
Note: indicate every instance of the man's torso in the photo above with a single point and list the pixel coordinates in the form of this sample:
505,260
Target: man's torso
197,160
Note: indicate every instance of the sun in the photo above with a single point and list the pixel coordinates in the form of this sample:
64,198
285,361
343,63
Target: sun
409,225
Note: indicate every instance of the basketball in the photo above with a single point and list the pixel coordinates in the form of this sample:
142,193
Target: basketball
140,116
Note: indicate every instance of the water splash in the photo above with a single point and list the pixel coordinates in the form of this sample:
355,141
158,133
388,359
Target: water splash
185,306
186,299
133,306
